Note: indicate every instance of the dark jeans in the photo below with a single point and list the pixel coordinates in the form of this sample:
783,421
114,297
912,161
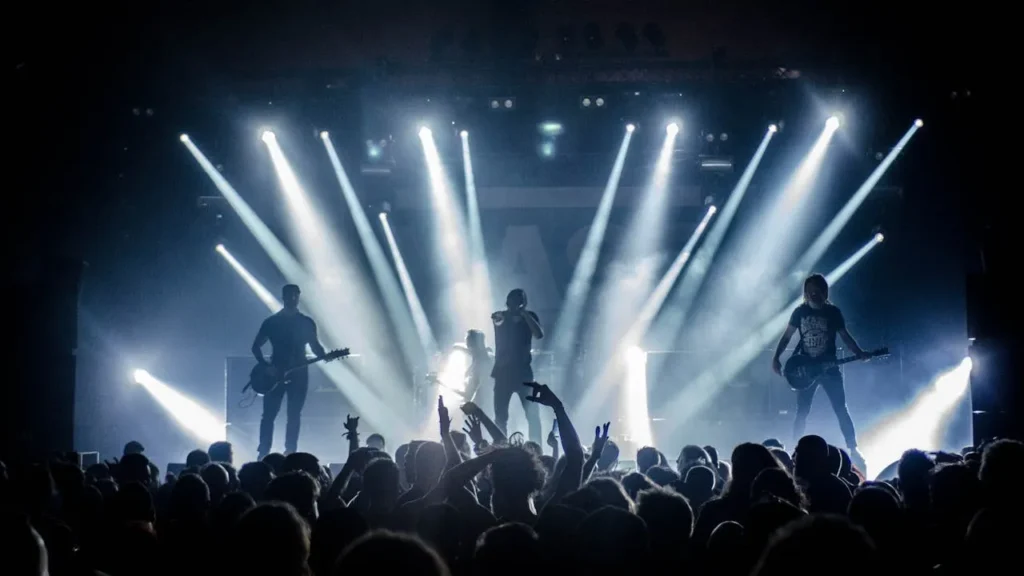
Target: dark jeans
296,390
504,387
832,382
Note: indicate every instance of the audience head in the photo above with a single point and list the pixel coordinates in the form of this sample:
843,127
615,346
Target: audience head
297,489
613,541
276,527
1002,467
429,463
510,549
810,459
254,477
276,462
835,460
800,548
190,498
376,441
133,447
663,475
784,458
635,482
668,517
133,503
646,457
748,460
217,480
303,462
221,452
383,552
692,455
381,483
133,468
774,443
775,482
197,459
913,471
700,479
333,532
611,493
515,476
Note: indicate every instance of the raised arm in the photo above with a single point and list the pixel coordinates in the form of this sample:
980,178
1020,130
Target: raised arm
573,472
595,451
497,436
451,453
257,344
352,432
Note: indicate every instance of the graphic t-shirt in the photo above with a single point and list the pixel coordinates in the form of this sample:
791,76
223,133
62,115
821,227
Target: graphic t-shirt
817,329
289,334
512,340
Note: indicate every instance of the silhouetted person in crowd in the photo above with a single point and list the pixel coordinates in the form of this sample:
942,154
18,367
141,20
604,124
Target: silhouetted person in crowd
376,441
698,486
690,456
1002,468
221,452
913,471
271,540
645,458
133,447
515,328
254,477
334,531
289,332
380,493
428,463
386,553
663,475
613,542
196,459
510,549
440,526
803,547
669,521
217,480
776,483
813,470
634,483
299,490
748,461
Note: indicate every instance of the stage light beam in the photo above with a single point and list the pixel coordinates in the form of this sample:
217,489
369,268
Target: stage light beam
194,418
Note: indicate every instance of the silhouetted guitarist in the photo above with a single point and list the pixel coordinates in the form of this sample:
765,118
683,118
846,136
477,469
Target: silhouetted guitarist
288,331
819,322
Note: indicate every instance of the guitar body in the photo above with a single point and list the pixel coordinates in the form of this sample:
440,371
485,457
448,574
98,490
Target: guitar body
802,371
264,378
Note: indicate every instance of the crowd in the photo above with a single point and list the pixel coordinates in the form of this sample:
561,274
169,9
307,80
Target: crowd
465,505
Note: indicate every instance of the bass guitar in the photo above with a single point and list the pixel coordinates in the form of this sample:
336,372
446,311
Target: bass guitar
265,378
803,371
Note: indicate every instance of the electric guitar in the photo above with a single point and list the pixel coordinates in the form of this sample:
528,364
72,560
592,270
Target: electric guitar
803,371
265,378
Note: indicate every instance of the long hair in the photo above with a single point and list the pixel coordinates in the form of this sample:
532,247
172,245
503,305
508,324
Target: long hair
819,281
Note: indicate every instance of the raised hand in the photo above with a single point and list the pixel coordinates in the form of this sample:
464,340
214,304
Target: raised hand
473,429
351,426
443,418
600,439
543,395
471,409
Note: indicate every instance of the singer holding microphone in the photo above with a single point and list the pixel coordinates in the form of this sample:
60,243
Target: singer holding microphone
514,331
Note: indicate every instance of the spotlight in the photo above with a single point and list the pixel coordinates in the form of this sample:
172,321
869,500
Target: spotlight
586,102
672,128
495,104
219,248
383,216
712,209
710,137
599,102
630,127
464,134
879,237
184,137
547,149
832,123
551,128
773,128
140,376
425,132
509,103
919,123
268,136
724,137
324,135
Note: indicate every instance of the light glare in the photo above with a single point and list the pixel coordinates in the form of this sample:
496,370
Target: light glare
879,237
919,123
425,132
464,134
184,137
773,128
324,135
672,128
268,136
630,127
832,123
